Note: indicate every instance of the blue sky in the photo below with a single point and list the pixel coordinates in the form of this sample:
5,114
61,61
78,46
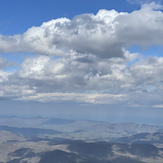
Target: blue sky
97,59
17,16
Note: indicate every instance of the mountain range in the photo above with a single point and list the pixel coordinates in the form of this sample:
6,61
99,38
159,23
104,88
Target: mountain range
49,140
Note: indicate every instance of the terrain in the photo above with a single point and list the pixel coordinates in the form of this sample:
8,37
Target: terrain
49,140
72,129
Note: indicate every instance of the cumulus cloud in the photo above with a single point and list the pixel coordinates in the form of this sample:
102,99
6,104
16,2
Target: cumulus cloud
75,73
45,79
103,35
107,81
85,60
4,63
4,76
152,5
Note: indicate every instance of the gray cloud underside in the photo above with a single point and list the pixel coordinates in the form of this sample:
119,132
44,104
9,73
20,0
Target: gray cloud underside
92,64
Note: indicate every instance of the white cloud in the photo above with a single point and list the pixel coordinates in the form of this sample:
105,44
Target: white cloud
103,35
152,5
142,2
91,80
70,79
4,76
157,106
93,64
79,97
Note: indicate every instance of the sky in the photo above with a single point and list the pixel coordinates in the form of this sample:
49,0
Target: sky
99,60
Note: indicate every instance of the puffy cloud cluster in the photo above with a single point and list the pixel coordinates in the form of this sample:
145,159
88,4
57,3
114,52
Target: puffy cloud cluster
77,73
43,78
85,60
103,35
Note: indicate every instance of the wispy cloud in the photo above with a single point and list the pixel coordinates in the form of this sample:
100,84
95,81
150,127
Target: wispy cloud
141,2
158,106
96,98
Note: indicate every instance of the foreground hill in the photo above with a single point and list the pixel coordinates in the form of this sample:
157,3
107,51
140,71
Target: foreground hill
132,149
69,151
